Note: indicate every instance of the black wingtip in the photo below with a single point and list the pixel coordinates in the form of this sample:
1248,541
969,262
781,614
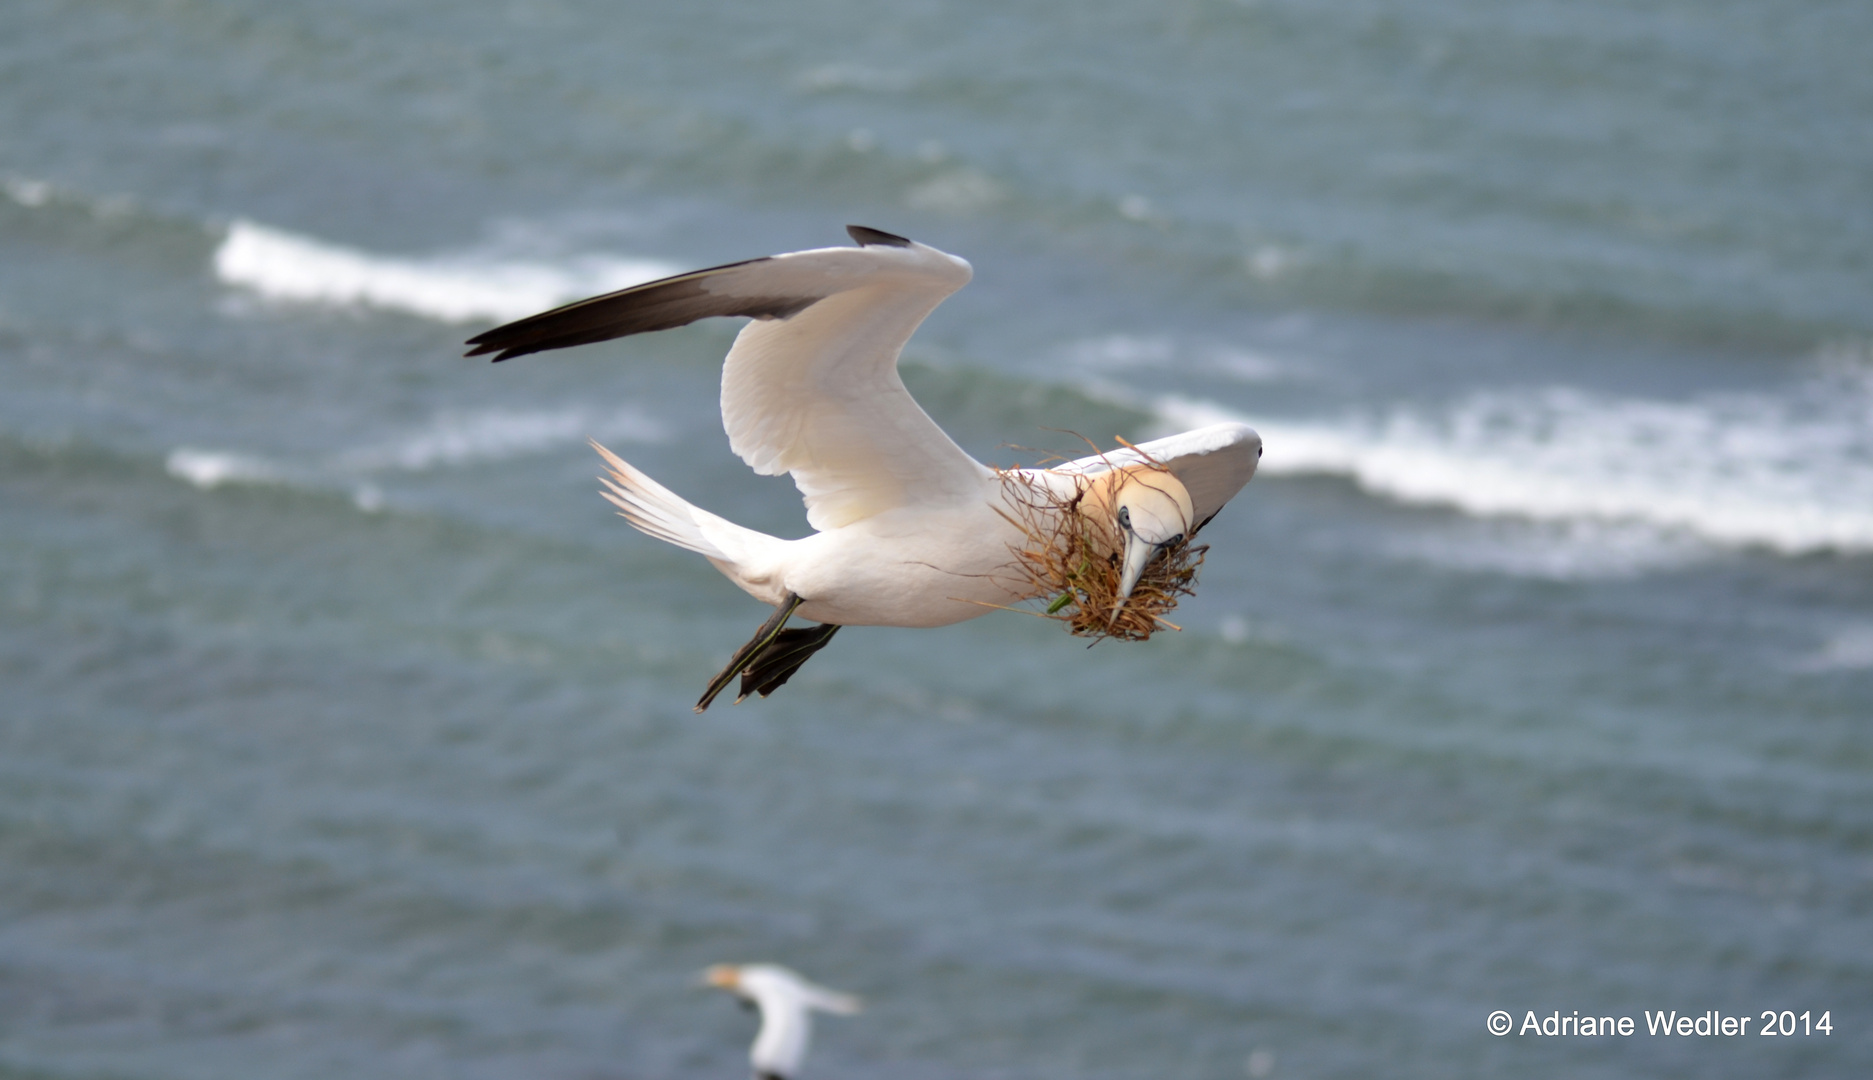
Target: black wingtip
865,237
500,354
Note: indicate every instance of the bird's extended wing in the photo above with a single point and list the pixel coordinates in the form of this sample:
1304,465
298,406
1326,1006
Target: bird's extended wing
811,386
1212,462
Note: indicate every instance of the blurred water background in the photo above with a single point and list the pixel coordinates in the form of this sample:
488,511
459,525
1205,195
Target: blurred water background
345,732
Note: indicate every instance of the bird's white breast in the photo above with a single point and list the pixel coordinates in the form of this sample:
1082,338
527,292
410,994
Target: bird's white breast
913,566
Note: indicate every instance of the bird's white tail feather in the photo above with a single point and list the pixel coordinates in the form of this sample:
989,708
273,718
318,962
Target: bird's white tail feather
746,557
655,510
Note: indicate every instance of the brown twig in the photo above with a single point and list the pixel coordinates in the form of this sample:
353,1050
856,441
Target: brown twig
1072,561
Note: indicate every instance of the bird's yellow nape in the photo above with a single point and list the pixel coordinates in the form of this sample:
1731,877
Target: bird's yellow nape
1146,500
1153,511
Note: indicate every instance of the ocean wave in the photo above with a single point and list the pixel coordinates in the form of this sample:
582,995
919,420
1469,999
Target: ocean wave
830,78
26,191
1848,648
208,469
66,207
1791,471
1116,353
491,435
1581,549
451,439
280,265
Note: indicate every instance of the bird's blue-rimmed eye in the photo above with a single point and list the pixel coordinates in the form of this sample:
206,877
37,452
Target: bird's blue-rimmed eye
1125,517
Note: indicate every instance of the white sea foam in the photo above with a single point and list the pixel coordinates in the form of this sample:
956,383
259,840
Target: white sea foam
26,191
451,439
1121,352
281,265
465,438
955,191
1792,471
1126,352
213,468
1849,648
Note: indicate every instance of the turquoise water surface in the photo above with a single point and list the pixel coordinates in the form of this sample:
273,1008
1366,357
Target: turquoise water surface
346,732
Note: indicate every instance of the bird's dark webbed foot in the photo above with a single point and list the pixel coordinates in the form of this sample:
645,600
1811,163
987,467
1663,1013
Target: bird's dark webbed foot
780,658
771,657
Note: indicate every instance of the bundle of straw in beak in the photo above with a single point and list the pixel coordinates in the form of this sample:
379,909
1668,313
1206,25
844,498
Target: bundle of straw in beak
1071,556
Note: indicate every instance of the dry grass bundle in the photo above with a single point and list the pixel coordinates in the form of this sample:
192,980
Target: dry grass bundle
1073,560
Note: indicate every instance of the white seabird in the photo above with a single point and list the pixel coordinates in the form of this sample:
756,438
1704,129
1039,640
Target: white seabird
910,530
787,1002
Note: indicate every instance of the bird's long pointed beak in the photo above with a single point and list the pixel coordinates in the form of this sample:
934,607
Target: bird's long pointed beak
1138,555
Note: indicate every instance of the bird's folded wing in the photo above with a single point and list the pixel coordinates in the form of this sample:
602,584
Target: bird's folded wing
1212,462
811,386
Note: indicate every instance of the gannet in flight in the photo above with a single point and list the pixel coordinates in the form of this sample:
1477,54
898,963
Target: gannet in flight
786,1002
910,530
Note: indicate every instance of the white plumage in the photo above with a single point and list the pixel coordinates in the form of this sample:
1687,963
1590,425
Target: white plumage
910,530
787,1002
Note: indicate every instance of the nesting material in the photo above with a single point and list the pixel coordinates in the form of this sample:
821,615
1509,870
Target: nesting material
1072,562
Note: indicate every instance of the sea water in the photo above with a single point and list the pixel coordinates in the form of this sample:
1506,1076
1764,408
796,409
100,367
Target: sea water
344,731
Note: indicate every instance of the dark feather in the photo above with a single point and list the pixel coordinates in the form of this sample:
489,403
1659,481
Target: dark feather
640,309
867,237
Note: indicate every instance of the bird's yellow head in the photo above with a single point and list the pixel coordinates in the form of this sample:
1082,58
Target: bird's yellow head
1150,509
